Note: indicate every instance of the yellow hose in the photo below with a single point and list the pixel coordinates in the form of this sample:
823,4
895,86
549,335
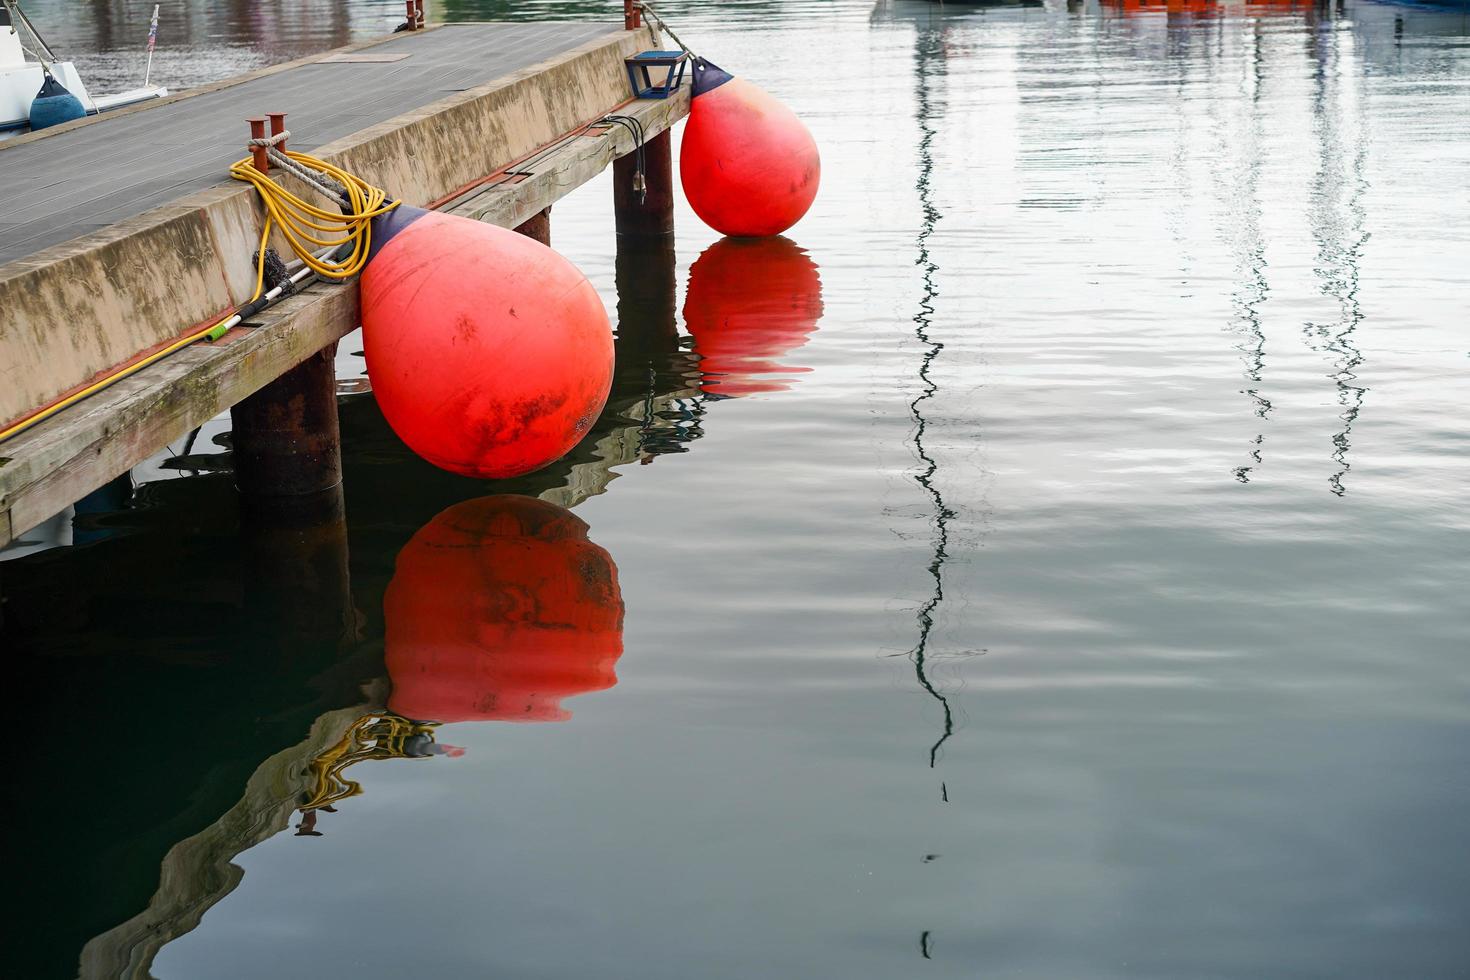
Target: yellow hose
298,220
50,410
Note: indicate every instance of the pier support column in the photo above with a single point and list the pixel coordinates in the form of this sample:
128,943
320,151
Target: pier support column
654,215
538,226
286,439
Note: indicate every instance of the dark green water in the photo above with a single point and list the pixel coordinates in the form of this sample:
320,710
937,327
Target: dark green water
1059,573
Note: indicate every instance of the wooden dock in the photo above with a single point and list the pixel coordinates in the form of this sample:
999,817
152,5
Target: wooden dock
118,234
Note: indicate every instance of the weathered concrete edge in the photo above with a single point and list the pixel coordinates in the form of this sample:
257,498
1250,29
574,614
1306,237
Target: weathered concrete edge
175,283
66,458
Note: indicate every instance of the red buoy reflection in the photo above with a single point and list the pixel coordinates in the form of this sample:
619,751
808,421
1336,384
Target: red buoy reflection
499,608
751,302
1196,8
1212,8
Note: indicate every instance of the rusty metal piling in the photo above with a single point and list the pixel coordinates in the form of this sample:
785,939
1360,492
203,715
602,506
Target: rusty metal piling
649,212
286,436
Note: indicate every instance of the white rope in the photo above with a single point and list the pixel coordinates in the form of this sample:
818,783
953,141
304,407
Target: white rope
326,185
665,28
275,140
20,16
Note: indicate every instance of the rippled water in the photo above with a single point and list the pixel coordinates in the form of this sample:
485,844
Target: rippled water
1057,570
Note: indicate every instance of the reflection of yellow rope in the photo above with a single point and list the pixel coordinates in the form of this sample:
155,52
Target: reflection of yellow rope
373,736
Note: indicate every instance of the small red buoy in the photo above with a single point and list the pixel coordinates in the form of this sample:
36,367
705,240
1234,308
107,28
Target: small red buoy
499,608
750,302
490,354
748,165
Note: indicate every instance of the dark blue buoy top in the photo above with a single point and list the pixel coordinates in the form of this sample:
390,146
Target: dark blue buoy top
385,226
708,76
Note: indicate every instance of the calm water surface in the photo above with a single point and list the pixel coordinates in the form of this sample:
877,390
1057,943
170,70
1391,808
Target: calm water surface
1048,560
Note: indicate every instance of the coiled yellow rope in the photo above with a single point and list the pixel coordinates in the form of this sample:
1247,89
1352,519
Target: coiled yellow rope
299,221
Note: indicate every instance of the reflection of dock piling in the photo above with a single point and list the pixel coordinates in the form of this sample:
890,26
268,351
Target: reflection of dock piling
80,297
296,569
647,295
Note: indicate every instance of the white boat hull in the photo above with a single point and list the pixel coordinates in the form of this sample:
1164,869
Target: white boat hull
20,83
20,80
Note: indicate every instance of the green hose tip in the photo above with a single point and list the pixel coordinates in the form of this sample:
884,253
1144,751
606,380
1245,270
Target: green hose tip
219,331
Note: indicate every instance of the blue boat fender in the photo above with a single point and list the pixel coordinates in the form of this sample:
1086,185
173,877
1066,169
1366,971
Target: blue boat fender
54,105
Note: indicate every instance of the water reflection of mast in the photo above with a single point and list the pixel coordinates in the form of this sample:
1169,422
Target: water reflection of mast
1339,245
1251,256
928,50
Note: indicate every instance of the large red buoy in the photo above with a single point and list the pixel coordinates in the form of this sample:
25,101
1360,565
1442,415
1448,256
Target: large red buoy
750,302
490,354
499,608
748,164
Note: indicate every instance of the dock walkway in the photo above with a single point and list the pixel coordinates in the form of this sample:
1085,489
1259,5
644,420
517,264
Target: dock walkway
67,184
119,234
